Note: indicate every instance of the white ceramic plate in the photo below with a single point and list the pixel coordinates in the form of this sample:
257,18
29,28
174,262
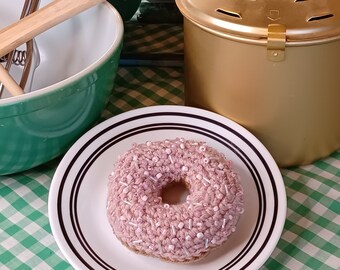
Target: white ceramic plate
77,197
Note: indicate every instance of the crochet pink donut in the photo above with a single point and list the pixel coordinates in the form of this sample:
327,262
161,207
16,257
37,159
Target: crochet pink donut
181,232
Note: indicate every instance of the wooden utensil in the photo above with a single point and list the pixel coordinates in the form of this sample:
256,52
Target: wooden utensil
10,84
29,7
27,28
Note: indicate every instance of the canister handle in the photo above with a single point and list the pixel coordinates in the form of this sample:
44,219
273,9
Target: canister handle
276,42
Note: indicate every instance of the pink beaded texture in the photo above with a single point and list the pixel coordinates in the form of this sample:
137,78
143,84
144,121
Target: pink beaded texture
181,232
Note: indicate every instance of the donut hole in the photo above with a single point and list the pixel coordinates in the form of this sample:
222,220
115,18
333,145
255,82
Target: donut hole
175,193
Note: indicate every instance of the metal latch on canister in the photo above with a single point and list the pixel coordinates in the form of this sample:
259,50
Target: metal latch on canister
276,43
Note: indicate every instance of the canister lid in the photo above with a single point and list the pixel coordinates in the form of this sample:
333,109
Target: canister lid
305,21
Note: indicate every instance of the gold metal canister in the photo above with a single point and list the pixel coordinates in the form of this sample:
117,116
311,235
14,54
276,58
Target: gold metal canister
272,66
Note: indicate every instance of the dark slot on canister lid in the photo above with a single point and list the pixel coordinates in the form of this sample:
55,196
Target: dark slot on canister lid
320,17
229,13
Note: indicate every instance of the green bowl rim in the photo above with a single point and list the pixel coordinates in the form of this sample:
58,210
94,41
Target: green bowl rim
41,93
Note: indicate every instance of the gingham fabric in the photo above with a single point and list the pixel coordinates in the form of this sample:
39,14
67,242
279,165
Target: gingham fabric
311,236
153,38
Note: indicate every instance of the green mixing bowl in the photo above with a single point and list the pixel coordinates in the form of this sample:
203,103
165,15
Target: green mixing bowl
70,87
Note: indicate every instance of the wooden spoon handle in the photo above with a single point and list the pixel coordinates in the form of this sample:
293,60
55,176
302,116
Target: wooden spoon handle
10,84
48,16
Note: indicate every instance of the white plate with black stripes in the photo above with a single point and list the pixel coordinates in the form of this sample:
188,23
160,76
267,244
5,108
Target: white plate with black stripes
77,199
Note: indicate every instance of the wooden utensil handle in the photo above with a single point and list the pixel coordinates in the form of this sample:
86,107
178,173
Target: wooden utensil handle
48,16
9,82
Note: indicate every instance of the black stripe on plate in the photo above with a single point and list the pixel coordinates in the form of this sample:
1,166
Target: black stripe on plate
106,145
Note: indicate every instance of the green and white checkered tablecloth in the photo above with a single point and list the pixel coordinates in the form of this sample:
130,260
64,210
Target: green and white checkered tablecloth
311,236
